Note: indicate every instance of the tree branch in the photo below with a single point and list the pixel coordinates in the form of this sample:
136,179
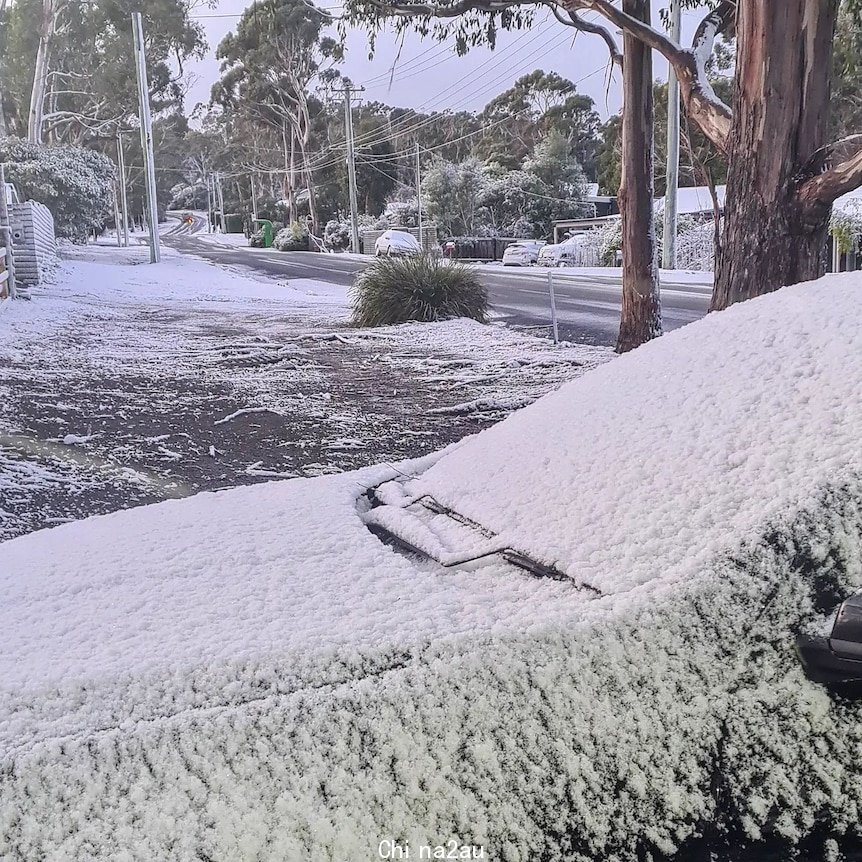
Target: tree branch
572,19
701,103
831,172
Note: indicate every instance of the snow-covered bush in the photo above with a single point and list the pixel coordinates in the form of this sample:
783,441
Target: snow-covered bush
846,225
401,213
76,184
610,241
418,287
695,242
695,247
336,235
294,237
188,197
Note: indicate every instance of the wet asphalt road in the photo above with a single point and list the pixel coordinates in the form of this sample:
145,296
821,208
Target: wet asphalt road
588,307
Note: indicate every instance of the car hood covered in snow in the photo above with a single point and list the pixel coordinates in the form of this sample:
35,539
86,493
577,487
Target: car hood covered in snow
254,675
652,465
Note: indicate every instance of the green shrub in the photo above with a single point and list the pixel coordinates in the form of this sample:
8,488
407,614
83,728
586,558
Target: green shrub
419,287
292,238
76,184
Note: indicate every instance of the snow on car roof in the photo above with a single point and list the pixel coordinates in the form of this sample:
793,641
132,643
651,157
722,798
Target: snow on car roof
648,466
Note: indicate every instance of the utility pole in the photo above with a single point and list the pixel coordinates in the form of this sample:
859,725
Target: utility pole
209,203
147,138
351,167
121,166
668,255
220,200
419,196
117,215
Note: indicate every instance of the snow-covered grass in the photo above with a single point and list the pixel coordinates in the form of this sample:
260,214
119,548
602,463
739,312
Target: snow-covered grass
252,675
150,360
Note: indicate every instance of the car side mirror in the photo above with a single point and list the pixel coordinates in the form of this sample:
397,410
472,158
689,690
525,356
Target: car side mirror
836,660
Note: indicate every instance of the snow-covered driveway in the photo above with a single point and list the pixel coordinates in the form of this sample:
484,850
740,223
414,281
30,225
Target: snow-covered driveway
125,384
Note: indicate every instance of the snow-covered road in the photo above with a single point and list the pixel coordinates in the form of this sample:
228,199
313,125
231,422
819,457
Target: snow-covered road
125,384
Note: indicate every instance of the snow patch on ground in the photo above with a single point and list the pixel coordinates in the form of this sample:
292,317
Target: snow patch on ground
139,368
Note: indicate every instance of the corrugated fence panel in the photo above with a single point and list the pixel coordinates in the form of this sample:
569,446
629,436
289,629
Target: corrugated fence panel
34,242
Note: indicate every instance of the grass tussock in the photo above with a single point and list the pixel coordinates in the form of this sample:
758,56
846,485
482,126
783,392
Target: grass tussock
418,287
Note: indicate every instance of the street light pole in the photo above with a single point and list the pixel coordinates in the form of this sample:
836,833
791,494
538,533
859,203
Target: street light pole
419,196
668,256
210,207
220,199
147,138
351,169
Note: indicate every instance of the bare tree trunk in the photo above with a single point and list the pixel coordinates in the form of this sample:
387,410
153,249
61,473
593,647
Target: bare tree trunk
308,173
289,172
309,177
640,320
40,74
771,237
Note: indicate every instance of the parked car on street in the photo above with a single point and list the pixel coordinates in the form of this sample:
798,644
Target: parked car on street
522,253
392,243
571,252
574,636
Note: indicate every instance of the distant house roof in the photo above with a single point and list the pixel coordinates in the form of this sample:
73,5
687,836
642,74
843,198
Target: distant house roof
851,202
694,199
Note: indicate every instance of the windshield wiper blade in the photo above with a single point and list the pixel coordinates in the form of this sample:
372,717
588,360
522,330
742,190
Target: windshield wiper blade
516,558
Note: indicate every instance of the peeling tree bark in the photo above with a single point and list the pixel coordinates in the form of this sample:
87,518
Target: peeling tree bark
773,237
640,319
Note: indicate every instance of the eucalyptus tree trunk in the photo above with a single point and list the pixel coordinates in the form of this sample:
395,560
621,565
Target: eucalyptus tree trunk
783,177
774,233
289,150
40,73
640,319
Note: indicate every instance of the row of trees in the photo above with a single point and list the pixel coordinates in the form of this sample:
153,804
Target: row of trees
275,127
783,168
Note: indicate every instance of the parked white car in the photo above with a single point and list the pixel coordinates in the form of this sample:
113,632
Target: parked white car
522,253
570,252
396,242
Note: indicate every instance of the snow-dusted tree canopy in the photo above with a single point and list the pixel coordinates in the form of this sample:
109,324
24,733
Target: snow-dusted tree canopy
75,183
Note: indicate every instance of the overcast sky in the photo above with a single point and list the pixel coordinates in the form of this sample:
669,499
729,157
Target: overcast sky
430,76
